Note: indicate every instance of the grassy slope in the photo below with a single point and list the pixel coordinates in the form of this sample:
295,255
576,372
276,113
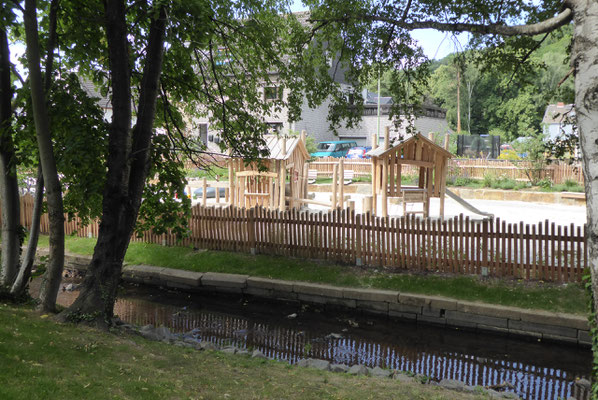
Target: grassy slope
43,360
569,298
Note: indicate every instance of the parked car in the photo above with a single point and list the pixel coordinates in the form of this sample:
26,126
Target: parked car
334,148
358,152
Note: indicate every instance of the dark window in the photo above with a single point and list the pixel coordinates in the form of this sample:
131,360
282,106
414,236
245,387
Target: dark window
274,128
203,133
272,93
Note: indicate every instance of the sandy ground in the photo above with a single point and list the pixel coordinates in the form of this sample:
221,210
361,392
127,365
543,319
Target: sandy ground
509,211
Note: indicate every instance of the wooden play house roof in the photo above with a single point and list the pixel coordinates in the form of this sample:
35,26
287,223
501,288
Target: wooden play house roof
418,151
276,145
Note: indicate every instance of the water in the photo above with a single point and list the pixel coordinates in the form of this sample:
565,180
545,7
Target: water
536,370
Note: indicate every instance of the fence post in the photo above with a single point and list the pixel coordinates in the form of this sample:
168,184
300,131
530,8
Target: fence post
251,230
204,194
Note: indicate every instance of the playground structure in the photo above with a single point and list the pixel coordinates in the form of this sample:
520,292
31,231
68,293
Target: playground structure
419,151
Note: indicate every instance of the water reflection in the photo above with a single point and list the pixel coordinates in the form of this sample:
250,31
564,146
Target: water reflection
536,370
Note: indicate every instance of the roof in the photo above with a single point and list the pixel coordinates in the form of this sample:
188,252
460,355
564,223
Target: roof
92,91
381,152
274,144
558,113
372,98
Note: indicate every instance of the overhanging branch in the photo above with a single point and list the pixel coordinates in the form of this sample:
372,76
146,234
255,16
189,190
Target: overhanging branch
528,30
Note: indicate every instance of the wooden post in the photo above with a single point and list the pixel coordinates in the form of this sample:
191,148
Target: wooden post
281,185
446,141
384,187
386,137
374,141
284,146
443,187
431,136
367,205
341,182
231,180
304,178
303,136
251,230
374,183
351,205
334,186
217,195
204,195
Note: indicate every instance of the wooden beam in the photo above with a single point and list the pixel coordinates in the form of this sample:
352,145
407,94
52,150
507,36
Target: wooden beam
257,173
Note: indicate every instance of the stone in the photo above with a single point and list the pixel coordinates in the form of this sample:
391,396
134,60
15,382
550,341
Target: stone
207,346
509,395
477,319
490,310
145,272
380,372
452,384
403,377
388,296
376,307
164,333
258,354
555,319
230,350
322,365
304,363
339,368
314,289
217,279
542,328
583,383
243,352
358,370
178,276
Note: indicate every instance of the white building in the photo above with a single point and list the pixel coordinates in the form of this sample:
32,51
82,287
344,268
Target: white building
558,120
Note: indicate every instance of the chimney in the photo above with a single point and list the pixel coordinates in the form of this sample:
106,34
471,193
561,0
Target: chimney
560,104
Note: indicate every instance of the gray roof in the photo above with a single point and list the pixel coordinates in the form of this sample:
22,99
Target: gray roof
92,91
558,113
275,146
372,98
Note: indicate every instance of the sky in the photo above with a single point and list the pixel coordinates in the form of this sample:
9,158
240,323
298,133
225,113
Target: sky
436,45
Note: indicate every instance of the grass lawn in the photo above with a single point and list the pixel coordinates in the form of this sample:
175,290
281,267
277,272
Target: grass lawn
570,298
40,359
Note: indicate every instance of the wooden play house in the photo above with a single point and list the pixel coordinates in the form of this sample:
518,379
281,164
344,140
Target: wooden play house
285,177
419,151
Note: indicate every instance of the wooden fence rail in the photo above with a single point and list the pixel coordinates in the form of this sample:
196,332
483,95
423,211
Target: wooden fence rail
457,246
469,168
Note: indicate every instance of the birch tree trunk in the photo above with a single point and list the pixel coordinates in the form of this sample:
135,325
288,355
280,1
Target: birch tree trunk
584,57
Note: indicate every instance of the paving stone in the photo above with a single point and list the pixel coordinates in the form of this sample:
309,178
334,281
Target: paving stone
542,328
216,279
584,337
189,278
376,307
477,319
258,292
317,290
143,271
404,308
312,299
556,319
490,310
389,296
414,299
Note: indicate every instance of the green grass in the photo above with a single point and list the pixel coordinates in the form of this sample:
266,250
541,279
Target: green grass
569,298
40,359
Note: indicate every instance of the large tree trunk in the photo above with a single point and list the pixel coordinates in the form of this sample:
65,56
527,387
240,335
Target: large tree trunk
127,166
9,189
53,276
584,57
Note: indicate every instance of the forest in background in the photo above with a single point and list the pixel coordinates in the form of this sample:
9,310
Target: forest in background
496,99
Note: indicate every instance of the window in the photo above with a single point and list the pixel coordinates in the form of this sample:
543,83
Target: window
272,93
274,128
203,133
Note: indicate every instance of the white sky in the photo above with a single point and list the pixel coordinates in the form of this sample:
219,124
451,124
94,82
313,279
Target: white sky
436,45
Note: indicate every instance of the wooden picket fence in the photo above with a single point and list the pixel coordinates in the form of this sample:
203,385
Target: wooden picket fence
456,246
557,172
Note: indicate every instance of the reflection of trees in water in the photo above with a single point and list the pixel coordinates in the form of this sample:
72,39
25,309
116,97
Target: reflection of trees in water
433,356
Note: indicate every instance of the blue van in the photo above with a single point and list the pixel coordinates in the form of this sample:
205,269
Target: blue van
334,148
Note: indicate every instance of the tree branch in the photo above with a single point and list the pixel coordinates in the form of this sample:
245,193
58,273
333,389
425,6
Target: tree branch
528,30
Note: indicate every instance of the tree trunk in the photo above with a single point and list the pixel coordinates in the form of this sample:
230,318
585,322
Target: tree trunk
127,166
9,189
24,274
53,276
20,284
584,56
